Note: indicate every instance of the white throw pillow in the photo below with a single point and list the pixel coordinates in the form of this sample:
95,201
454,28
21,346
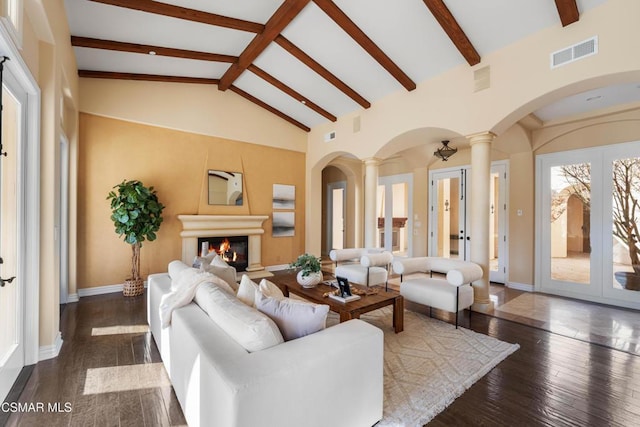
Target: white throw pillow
228,274
247,326
219,261
249,290
200,261
295,319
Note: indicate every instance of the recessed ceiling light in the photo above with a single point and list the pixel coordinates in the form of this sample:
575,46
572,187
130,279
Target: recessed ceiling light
303,101
152,52
593,98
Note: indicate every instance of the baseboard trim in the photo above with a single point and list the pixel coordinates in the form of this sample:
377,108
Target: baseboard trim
73,298
520,286
277,267
51,351
101,290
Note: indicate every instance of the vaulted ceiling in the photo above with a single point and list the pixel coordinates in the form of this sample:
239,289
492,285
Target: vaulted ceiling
306,61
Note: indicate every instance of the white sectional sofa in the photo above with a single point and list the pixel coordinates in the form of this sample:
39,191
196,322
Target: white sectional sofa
333,377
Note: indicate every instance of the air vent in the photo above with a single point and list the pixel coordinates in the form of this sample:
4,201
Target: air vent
573,53
329,136
356,124
481,79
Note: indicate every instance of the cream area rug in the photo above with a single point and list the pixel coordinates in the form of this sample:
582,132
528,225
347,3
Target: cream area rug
429,364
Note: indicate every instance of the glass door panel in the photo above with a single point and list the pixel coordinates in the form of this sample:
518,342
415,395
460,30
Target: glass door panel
448,213
570,212
498,223
624,230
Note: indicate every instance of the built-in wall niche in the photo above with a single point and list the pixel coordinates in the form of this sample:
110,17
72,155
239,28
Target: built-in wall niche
233,249
224,188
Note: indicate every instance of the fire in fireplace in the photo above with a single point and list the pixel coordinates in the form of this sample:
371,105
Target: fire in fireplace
234,249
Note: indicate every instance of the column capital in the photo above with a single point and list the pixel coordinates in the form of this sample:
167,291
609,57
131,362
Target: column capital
481,137
371,161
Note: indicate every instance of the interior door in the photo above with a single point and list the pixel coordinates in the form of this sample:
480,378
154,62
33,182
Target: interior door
336,204
11,291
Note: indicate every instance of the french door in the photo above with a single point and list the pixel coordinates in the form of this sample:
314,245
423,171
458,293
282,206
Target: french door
450,222
12,298
588,214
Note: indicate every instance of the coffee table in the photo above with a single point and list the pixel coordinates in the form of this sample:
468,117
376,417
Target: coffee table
348,310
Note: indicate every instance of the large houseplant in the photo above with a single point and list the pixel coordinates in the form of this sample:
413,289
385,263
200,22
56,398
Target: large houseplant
309,274
137,215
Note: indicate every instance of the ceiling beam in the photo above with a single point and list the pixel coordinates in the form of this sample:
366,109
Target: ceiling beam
323,72
145,77
186,14
145,49
441,12
348,26
268,108
291,92
568,11
278,21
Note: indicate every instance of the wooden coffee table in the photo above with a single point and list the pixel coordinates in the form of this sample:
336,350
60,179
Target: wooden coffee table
349,310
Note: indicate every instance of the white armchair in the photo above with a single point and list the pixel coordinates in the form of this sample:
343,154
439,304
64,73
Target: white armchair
367,267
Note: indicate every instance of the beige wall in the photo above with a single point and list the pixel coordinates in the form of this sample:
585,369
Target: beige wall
175,163
196,108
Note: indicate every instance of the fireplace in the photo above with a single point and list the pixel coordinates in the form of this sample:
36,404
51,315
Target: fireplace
195,227
233,249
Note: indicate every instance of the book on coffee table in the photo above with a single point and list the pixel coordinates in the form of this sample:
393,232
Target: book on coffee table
345,299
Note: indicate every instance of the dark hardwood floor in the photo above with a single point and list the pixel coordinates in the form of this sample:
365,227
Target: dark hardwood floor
108,371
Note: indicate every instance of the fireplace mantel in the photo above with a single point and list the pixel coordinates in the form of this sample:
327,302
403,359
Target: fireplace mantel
194,226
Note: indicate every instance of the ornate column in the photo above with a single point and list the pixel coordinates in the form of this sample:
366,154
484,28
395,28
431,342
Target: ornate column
480,217
370,196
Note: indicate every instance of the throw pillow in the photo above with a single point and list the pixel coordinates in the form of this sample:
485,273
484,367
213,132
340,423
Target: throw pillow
228,274
248,290
200,261
295,319
219,261
247,326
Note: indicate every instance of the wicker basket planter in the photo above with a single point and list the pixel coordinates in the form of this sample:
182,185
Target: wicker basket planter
133,288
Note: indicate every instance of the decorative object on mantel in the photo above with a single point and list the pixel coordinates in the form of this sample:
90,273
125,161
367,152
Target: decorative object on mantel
309,274
136,214
445,151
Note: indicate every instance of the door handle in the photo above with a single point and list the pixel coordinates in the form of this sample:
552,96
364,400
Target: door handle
5,281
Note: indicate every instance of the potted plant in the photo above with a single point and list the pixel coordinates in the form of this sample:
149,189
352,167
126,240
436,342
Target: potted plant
309,274
137,215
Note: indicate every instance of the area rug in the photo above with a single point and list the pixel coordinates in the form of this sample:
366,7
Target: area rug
429,365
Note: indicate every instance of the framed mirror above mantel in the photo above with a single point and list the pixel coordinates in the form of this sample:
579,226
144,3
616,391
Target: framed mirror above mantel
224,188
